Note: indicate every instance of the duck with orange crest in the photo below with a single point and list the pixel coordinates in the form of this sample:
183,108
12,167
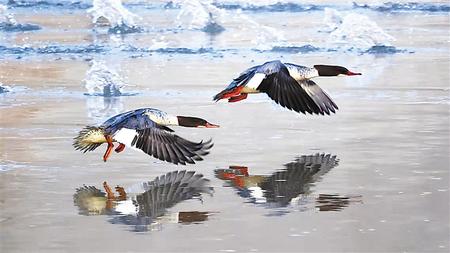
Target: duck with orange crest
147,130
287,84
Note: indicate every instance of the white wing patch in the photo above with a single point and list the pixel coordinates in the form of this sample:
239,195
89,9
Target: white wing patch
127,207
125,136
254,82
258,194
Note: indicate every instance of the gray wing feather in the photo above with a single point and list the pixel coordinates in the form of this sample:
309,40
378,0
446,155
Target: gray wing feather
170,147
300,96
169,189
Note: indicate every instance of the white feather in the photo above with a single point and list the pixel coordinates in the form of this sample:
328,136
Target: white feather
302,73
126,207
258,194
253,83
125,136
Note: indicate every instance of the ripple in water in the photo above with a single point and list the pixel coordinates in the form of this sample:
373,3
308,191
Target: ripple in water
269,6
294,49
112,14
9,24
412,6
89,49
41,4
4,88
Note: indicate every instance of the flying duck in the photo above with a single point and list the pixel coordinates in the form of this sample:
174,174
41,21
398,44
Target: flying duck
146,204
146,129
287,84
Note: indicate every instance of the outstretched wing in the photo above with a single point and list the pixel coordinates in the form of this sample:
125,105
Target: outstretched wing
168,190
163,145
300,96
297,177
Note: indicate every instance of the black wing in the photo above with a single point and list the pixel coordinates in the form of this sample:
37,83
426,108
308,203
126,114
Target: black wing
169,147
303,96
168,190
297,177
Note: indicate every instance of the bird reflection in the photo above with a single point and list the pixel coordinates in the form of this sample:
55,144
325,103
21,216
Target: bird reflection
290,186
144,206
99,108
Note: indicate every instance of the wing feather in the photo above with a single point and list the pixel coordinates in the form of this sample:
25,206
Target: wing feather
164,145
301,96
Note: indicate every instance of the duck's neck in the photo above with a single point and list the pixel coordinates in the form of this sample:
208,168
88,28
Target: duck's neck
164,119
302,73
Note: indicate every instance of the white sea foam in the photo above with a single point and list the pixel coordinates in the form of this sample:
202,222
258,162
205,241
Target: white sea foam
264,37
4,88
205,16
114,12
354,31
100,80
200,14
6,16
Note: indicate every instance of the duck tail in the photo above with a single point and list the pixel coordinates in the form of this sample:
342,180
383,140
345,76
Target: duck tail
89,138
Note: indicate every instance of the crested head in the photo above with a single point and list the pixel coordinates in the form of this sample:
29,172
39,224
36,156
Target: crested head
194,122
330,70
89,138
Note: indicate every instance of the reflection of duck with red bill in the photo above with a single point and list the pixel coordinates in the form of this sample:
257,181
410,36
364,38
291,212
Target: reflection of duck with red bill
145,205
288,186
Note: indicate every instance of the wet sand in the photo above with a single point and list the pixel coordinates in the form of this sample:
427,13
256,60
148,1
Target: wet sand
391,136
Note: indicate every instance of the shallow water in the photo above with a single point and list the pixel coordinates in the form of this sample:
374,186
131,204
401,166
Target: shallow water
389,190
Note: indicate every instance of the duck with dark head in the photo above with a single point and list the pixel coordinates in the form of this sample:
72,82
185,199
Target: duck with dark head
147,130
288,84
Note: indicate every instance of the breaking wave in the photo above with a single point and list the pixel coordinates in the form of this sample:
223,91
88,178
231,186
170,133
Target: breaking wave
354,31
113,15
411,6
89,49
9,24
103,81
48,4
200,15
270,7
